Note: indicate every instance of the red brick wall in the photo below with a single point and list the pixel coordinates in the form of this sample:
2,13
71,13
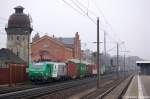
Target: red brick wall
51,48
68,53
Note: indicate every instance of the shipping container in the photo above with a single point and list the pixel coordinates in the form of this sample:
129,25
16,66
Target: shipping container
81,70
71,70
91,69
94,70
78,67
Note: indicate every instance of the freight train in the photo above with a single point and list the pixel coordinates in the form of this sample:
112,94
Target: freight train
44,71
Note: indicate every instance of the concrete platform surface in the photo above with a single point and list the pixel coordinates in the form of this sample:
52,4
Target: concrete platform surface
139,88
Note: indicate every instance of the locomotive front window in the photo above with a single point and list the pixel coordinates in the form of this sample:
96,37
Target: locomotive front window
37,65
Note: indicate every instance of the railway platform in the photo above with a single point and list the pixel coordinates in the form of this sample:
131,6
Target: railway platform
139,88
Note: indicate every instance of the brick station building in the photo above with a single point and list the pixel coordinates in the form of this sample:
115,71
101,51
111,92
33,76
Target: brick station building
57,49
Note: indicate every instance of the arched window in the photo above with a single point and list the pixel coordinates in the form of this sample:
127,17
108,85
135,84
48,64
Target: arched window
43,53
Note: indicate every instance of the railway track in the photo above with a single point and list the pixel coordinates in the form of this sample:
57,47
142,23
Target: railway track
7,89
40,91
118,91
108,92
35,92
64,94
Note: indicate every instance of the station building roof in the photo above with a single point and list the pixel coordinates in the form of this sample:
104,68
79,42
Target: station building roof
77,61
7,56
143,63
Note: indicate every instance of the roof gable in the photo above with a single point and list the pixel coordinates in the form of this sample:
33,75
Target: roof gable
49,38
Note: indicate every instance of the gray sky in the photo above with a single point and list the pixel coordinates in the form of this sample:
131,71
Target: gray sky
127,20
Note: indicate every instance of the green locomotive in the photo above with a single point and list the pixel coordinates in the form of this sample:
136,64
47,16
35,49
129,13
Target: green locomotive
47,71
40,71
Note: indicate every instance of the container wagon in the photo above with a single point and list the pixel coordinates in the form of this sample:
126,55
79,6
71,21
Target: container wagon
81,70
91,69
72,70
76,68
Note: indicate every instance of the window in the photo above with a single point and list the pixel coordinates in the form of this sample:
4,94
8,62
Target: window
12,37
23,38
63,69
17,52
45,46
17,37
37,65
11,49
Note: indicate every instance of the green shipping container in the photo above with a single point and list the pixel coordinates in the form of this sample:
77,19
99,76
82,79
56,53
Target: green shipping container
81,70
81,67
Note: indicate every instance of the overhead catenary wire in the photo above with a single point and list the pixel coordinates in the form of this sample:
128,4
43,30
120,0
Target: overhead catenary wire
72,7
99,12
106,22
78,6
88,10
88,7
83,11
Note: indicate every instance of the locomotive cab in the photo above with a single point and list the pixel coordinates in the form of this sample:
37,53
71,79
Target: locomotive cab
40,71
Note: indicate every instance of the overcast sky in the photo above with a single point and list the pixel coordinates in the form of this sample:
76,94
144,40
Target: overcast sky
123,20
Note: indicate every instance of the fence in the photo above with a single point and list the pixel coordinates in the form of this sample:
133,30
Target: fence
15,73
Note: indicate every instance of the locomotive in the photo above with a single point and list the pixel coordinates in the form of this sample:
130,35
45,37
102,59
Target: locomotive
44,71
